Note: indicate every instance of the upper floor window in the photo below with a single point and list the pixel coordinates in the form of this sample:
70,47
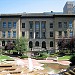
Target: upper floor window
65,24
31,24
14,34
59,24
37,24
51,34
65,33
23,25
23,33
9,33
43,24
3,34
51,25
14,25
9,25
37,34
4,24
43,34
31,35
70,24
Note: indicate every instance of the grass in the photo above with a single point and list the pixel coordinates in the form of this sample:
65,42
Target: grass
5,57
67,57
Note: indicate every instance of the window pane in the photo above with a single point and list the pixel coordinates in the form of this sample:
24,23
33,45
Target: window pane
43,24
51,43
51,25
4,24
14,34
14,25
59,24
43,34
9,33
51,34
37,35
31,35
9,25
23,34
23,25
3,34
37,25
31,24
70,24
65,24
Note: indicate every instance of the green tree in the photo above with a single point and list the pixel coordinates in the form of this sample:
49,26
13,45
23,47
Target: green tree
21,45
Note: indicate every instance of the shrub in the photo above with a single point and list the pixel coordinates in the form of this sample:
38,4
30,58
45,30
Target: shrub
23,56
72,60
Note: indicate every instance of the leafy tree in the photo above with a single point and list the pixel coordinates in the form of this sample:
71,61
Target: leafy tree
21,45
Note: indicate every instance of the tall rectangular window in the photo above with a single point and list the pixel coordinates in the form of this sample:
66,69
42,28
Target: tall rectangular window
23,25
37,25
14,34
9,25
43,35
51,25
60,33
9,33
65,24
3,34
59,24
14,25
37,35
23,33
31,24
65,33
4,24
43,24
70,24
71,33
51,34
31,34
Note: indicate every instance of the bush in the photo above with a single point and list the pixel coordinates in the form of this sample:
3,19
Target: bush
72,60
42,56
23,56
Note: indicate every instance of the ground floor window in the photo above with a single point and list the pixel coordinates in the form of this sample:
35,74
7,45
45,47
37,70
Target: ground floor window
30,44
36,43
3,43
43,44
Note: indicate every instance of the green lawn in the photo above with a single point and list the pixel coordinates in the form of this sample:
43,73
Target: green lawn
5,57
64,57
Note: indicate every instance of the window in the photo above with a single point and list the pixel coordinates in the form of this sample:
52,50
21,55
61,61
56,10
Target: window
9,25
14,25
51,25
37,24
37,35
23,33
3,34
59,24
36,43
70,24
65,33
4,24
14,34
31,24
51,43
43,24
23,25
30,44
51,34
65,24
60,33
9,33
71,33
31,35
43,34
3,43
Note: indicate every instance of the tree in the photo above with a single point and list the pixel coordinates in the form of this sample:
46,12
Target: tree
21,45
9,46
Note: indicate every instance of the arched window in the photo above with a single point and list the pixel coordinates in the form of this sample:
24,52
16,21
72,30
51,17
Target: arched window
36,43
3,43
30,44
43,44
51,43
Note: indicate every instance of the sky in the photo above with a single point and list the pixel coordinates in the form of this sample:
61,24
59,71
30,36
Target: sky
31,6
